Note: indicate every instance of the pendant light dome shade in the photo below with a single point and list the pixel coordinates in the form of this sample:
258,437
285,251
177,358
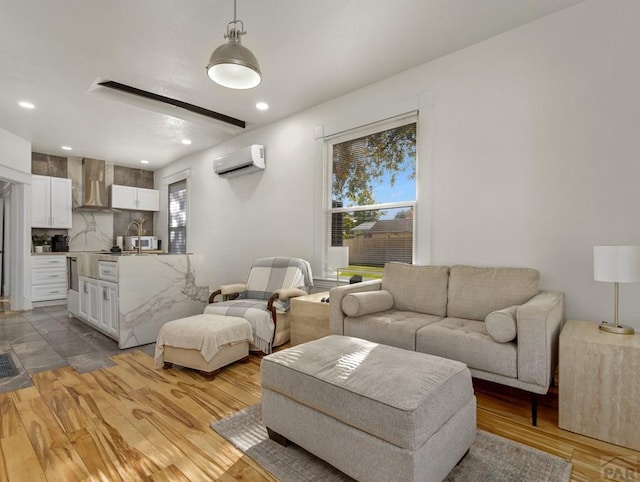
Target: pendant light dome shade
233,65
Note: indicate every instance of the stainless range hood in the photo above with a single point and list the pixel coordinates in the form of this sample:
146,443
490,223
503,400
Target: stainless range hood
94,192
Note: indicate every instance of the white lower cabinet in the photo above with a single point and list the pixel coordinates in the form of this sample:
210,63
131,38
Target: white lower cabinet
109,303
99,304
84,297
94,303
48,278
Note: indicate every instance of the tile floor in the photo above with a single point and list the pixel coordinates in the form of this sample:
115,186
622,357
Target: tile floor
46,338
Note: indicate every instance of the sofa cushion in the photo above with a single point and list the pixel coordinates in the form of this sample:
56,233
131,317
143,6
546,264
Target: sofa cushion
476,292
395,328
501,324
422,289
358,304
468,341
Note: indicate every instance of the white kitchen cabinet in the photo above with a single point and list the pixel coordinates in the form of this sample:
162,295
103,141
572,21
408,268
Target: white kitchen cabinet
95,306
109,303
99,304
40,201
108,271
50,202
124,197
90,304
48,278
136,198
84,297
148,199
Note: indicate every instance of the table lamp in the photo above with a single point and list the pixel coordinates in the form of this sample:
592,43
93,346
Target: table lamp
616,264
337,257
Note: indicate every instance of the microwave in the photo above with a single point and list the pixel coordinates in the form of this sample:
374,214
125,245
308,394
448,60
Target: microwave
146,243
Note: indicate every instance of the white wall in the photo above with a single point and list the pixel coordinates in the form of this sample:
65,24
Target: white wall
15,168
528,157
15,152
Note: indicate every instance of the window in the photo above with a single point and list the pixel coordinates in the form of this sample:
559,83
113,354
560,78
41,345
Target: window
372,198
178,217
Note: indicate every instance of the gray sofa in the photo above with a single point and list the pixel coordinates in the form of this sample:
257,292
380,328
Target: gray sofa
493,319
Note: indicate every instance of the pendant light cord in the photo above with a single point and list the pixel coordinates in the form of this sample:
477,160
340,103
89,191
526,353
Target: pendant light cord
232,27
233,65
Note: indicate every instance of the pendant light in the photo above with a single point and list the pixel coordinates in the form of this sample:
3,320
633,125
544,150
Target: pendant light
232,65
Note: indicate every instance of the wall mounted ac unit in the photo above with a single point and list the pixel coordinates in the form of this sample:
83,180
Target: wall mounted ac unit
245,161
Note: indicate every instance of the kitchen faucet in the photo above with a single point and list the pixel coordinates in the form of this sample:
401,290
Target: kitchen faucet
138,223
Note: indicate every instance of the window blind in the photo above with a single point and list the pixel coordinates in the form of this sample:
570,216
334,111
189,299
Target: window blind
373,193
178,217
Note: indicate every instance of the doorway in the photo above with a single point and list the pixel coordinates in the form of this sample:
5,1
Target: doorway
15,246
5,259
4,299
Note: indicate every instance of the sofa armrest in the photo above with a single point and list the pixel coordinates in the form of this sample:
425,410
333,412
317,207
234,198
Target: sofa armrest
286,293
336,317
539,323
232,288
228,292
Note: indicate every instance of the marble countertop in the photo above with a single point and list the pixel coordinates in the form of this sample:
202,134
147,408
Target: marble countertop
104,256
132,254
88,262
51,253
108,253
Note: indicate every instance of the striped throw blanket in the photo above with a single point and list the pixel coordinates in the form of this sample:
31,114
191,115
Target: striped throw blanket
266,276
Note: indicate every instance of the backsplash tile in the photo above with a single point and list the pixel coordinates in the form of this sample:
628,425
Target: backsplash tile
123,219
74,169
91,232
48,165
127,176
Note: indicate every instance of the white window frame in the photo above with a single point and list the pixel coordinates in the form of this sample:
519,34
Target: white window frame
180,228
328,210
184,175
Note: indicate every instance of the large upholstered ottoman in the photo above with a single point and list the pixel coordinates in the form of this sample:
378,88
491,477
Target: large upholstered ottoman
203,342
375,412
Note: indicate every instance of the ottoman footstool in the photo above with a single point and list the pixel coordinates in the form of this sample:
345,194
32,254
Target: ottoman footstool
375,412
203,342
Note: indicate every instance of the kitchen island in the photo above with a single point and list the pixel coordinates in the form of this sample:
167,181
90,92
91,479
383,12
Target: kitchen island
129,298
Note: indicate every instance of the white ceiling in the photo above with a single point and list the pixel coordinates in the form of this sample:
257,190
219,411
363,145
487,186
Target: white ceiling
309,51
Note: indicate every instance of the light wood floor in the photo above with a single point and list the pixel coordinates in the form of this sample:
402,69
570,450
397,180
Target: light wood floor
133,422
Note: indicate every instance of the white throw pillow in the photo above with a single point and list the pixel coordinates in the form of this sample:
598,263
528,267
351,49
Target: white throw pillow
501,324
358,304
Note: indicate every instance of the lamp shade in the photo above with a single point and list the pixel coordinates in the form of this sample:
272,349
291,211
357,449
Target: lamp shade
616,264
338,256
233,65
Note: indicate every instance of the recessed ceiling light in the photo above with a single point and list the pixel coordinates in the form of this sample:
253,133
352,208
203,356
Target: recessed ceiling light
186,142
144,162
66,148
262,106
26,105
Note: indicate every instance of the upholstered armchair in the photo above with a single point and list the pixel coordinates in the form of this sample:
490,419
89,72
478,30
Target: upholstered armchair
264,299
